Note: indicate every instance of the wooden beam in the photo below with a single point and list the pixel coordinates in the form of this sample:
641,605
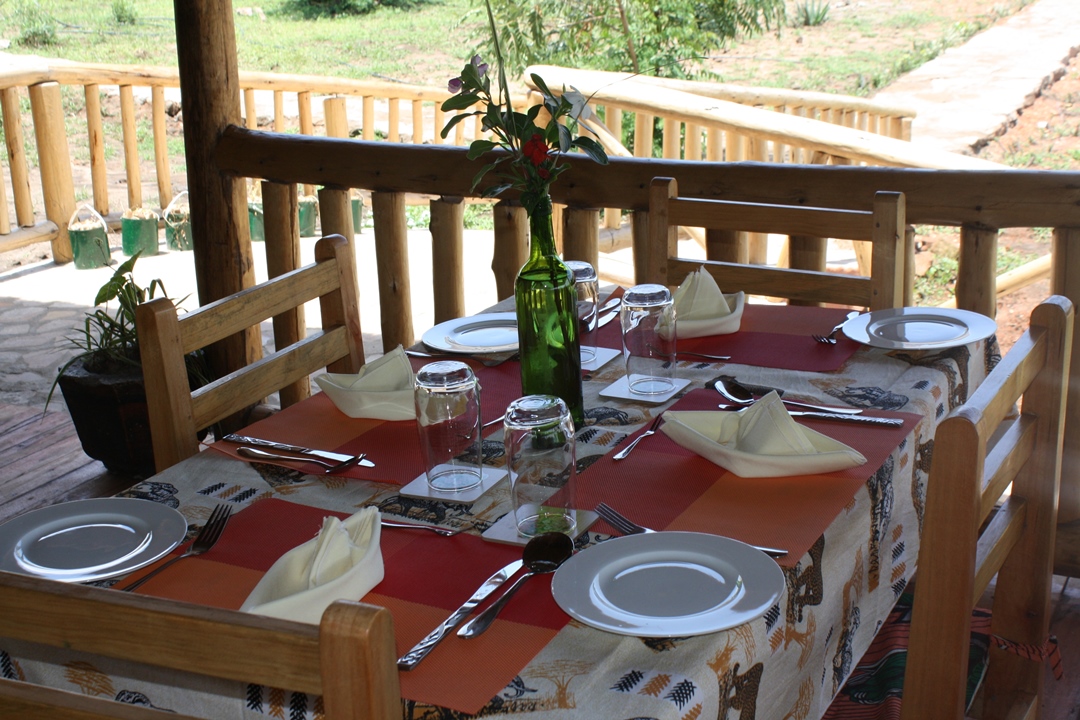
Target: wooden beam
209,81
54,160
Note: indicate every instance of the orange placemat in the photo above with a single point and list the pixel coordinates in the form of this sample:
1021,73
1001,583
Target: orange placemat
427,578
667,487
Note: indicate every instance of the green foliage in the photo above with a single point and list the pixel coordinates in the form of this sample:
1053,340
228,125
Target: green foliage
123,12
37,26
658,37
938,282
811,13
312,9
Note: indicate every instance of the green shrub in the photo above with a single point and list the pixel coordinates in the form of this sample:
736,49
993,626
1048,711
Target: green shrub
312,9
37,26
811,13
124,12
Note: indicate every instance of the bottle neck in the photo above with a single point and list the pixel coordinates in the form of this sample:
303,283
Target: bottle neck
542,234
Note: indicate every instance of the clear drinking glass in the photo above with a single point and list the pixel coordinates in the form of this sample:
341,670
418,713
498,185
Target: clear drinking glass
648,332
448,417
540,457
588,295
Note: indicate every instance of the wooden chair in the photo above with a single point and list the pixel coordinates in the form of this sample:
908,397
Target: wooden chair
348,658
979,450
177,412
884,227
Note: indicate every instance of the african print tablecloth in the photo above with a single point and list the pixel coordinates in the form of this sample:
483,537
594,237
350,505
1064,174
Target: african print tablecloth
853,537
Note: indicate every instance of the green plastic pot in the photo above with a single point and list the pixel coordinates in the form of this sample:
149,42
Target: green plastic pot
357,215
255,222
90,248
307,219
139,235
178,235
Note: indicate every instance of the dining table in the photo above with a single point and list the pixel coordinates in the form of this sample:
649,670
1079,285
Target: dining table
851,536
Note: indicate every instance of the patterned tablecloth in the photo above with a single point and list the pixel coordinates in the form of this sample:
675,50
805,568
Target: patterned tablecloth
853,537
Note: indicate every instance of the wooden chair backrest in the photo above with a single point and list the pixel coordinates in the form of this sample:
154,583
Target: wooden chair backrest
348,658
884,227
979,450
177,413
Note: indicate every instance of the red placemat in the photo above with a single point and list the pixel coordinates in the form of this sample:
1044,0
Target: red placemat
427,578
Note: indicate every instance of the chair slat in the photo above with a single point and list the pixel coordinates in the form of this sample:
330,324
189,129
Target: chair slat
996,542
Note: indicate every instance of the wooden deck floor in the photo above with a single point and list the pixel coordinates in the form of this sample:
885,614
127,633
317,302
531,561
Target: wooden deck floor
42,463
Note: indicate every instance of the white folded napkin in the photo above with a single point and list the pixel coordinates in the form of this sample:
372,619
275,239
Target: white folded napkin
383,389
342,562
703,310
761,441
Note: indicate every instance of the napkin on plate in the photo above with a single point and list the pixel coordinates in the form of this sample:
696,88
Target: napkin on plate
761,441
342,562
703,310
383,389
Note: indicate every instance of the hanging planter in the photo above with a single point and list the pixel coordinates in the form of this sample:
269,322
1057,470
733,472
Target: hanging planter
308,214
178,223
139,232
89,239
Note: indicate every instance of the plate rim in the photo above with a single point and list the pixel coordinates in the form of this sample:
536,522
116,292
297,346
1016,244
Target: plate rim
434,336
979,327
560,587
15,529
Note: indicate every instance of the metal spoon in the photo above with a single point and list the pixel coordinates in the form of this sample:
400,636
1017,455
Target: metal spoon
741,395
543,554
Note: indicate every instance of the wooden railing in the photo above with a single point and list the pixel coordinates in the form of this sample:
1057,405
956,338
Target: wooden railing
364,109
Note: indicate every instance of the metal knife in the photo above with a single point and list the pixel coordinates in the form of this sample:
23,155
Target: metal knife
606,319
325,454
410,659
862,419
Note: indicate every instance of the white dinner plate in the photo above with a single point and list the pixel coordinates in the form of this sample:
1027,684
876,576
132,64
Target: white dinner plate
88,540
919,328
668,584
493,332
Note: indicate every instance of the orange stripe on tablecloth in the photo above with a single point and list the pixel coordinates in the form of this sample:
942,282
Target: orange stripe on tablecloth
203,582
460,674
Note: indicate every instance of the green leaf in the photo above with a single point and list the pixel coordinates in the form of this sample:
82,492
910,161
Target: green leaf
454,121
592,148
566,140
496,190
540,84
460,101
479,147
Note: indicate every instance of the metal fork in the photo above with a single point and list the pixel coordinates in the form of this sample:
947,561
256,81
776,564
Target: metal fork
205,540
830,339
652,429
445,532
627,527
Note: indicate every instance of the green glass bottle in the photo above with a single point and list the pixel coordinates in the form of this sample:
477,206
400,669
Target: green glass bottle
547,320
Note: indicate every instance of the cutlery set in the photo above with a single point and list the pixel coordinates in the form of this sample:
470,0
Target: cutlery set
337,461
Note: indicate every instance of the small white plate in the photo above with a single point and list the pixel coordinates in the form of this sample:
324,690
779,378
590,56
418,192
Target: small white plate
504,530
602,357
668,584
419,488
494,332
621,390
89,540
918,328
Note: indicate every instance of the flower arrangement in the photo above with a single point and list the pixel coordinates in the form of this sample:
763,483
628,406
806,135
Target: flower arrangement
533,152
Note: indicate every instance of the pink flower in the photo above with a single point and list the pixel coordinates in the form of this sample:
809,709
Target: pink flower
535,149
480,65
454,85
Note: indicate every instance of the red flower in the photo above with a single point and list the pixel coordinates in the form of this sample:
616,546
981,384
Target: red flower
536,149
543,173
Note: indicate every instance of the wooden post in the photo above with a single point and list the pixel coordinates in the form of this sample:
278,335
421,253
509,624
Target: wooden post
279,111
394,114
418,121
392,259
210,83
447,257
909,266
692,142
976,278
724,246
20,173
369,119
1065,280
335,212
337,120
581,235
54,159
281,225
5,222
511,246
161,147
639,232
96,138
672,138
757,243
131,147
643,135
807,253
251,117
307,126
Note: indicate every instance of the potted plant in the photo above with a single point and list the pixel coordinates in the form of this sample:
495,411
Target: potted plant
139,232
103,384
89,239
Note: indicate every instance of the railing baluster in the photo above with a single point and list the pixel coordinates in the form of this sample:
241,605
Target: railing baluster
394,113
511,245
447,257
54,162
281,225
693,142
392,260
161,148
279,111
336,209
976,277
5,221
672,138
1065,280
369,117
20,173
307,125
131,147
581,237
96,135
251,116
643,135
418,121
334,114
